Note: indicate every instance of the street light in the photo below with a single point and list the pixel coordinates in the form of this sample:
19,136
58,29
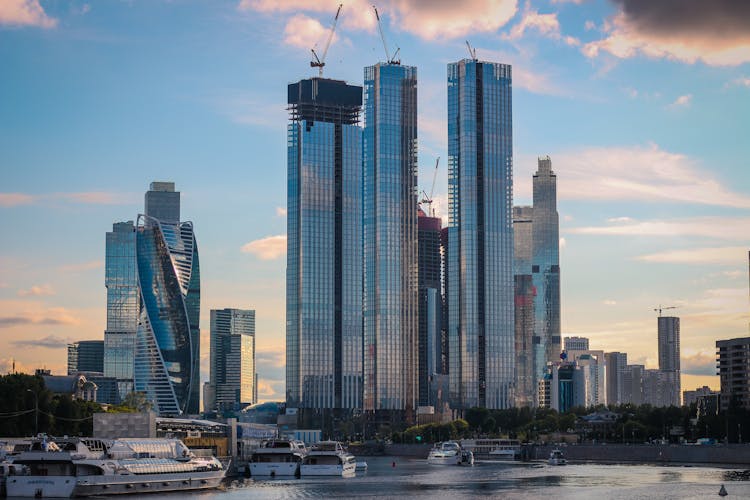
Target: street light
36,411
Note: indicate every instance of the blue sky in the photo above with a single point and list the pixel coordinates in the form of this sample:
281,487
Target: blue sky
644,112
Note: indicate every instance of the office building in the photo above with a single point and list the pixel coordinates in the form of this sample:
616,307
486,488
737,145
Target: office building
86,356
390,241
690,397
324,250
576,344
616,363
526,380
232,383
669,357
121,281
430,305
545,265
733,366
167,354
592,367
480,235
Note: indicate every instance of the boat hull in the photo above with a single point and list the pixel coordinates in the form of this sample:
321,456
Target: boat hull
346,470
449,460
273,469
40,486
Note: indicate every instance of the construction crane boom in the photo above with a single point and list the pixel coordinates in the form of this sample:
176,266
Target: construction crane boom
388,58
664,308
319,62
428,199
472,52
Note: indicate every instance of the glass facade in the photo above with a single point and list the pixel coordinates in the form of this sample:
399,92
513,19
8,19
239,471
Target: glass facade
86,356
480,235
324,246
526,381
430,304
390,237
232,358
545,262
168,338
121,280
163,202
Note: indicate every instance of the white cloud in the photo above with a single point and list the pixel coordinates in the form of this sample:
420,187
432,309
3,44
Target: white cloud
563,243
682,101
83,266
637,173
37,291
280,212
85,197
546,25
426,19
25,13
705,227
305,32
742,81
14,199
713,255
268,248
609,302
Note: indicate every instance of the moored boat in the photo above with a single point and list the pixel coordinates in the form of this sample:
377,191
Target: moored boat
277,457
445,453
328,458
496,450
556,457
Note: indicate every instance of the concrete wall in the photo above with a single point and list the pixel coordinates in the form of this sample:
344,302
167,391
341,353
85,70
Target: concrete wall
124,425
732,454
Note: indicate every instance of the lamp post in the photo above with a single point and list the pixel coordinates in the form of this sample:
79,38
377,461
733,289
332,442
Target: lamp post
36,411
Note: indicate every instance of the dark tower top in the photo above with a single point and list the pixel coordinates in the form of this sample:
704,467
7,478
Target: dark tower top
325,100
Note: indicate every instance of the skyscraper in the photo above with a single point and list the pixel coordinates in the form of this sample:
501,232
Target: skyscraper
480,235
167,355
162,202
86,356
390,240
526,381
545,266
232,384
576,344
324,249
121,280
669,356
616,365
430,305
733,365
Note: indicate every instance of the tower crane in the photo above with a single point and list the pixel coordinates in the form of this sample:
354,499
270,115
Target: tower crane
664,308
428,199
472,51
388,58
319,62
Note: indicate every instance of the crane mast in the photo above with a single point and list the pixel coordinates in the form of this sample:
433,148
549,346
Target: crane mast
319,62
428,198
388,58
472,51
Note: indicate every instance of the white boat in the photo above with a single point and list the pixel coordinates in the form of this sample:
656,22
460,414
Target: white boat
65,468
556,457
362,466
277,457
328,458
498,450
445,453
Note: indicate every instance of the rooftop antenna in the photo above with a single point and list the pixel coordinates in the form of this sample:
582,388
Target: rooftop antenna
388,58
664,308
319,62
472,51
428,199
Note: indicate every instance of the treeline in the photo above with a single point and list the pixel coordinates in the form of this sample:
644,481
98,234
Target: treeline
58,414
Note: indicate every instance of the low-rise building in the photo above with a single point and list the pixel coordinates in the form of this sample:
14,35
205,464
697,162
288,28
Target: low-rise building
733,365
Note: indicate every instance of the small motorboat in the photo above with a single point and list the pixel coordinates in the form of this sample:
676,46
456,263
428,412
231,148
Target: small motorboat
361,466
557,458
446,453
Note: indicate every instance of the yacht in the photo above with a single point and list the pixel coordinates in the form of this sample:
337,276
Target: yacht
328,458
69,467
445,453
277,457
556,457
502,450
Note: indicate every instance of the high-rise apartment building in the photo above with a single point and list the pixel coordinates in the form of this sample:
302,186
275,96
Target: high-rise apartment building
86,356
430,361
390,301
633,384
121,281
576,344
480,236
324,249
669,357
733,366
545,266
524,292
616,363
232,382
167,354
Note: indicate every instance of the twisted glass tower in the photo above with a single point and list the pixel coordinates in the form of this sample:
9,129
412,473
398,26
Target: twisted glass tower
390,239
168,337
480,235
324,250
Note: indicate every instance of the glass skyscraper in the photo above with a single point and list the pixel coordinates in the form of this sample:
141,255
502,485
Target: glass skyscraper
669,357
430,305
324,249
390,239
86,356
167,356
480,264
232,358
545,267
526,381
121,280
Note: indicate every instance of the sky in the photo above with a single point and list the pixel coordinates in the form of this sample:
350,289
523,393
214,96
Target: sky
643,107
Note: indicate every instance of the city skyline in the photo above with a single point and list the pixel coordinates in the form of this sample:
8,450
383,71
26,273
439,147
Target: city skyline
653,210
